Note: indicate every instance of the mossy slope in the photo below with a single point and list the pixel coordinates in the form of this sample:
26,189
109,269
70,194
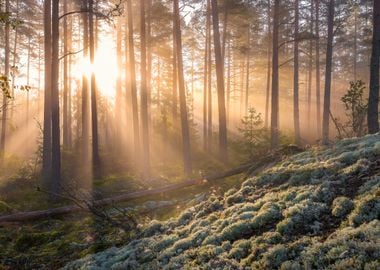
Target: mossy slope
316,210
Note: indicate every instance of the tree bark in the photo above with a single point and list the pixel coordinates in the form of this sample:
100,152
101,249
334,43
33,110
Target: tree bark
94,107
317,70
118,96
65,77
47,132
133,88
220,83
144,95
6,73
373,101
186,149
85,115
275,79
56,142
296,111
310,74
205,81
329,52
269,65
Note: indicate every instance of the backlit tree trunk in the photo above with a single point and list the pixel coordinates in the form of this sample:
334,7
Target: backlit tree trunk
329,52
373,101
220,83
275,82
186,149
296,112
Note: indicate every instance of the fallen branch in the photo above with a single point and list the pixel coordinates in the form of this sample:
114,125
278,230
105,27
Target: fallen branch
40,214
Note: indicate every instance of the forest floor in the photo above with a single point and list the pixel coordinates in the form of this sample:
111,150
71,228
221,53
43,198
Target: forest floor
317,209
51,243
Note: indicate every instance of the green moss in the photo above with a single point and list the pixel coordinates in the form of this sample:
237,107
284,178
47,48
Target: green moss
367,208
341,207
302,217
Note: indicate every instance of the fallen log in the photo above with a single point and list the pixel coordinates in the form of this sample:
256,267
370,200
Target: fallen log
40,214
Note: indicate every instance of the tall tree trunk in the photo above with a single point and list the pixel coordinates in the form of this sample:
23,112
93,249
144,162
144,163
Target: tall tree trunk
47,132
149,58
94,107
69,92
28,80
85,103
118,96
65,77
175,81
296,111
6,73
205,81
275,81
186,149
209,81
355,41
14,61
144,95
317,69
247,73
56,142
269,65
220,83
329,52
373,101
133,86
310,74
228,82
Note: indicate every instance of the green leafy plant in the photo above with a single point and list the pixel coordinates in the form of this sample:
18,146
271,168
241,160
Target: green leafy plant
356,112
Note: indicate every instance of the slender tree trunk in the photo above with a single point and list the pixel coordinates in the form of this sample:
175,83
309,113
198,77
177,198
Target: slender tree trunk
296,111
275,79
118,96
47,132
205,81
373,101
175,81
310,74
149,58
65,77
247,73
355,41
6,73
56,142
144,95
220,83
94,107
14,61
329,52
133,88
317,69
28,81
269,65
182,92
228,82
209,82
85,102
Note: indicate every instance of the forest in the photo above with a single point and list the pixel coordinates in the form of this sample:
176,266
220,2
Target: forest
189,134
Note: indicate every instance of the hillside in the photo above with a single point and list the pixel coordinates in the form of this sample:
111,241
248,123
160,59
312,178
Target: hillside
318,209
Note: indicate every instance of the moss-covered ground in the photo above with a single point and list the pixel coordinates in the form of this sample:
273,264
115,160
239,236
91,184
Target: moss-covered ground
318,209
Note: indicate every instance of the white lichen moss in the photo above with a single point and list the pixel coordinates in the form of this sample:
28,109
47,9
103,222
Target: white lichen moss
303,213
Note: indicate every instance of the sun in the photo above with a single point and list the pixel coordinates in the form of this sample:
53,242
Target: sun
104,67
